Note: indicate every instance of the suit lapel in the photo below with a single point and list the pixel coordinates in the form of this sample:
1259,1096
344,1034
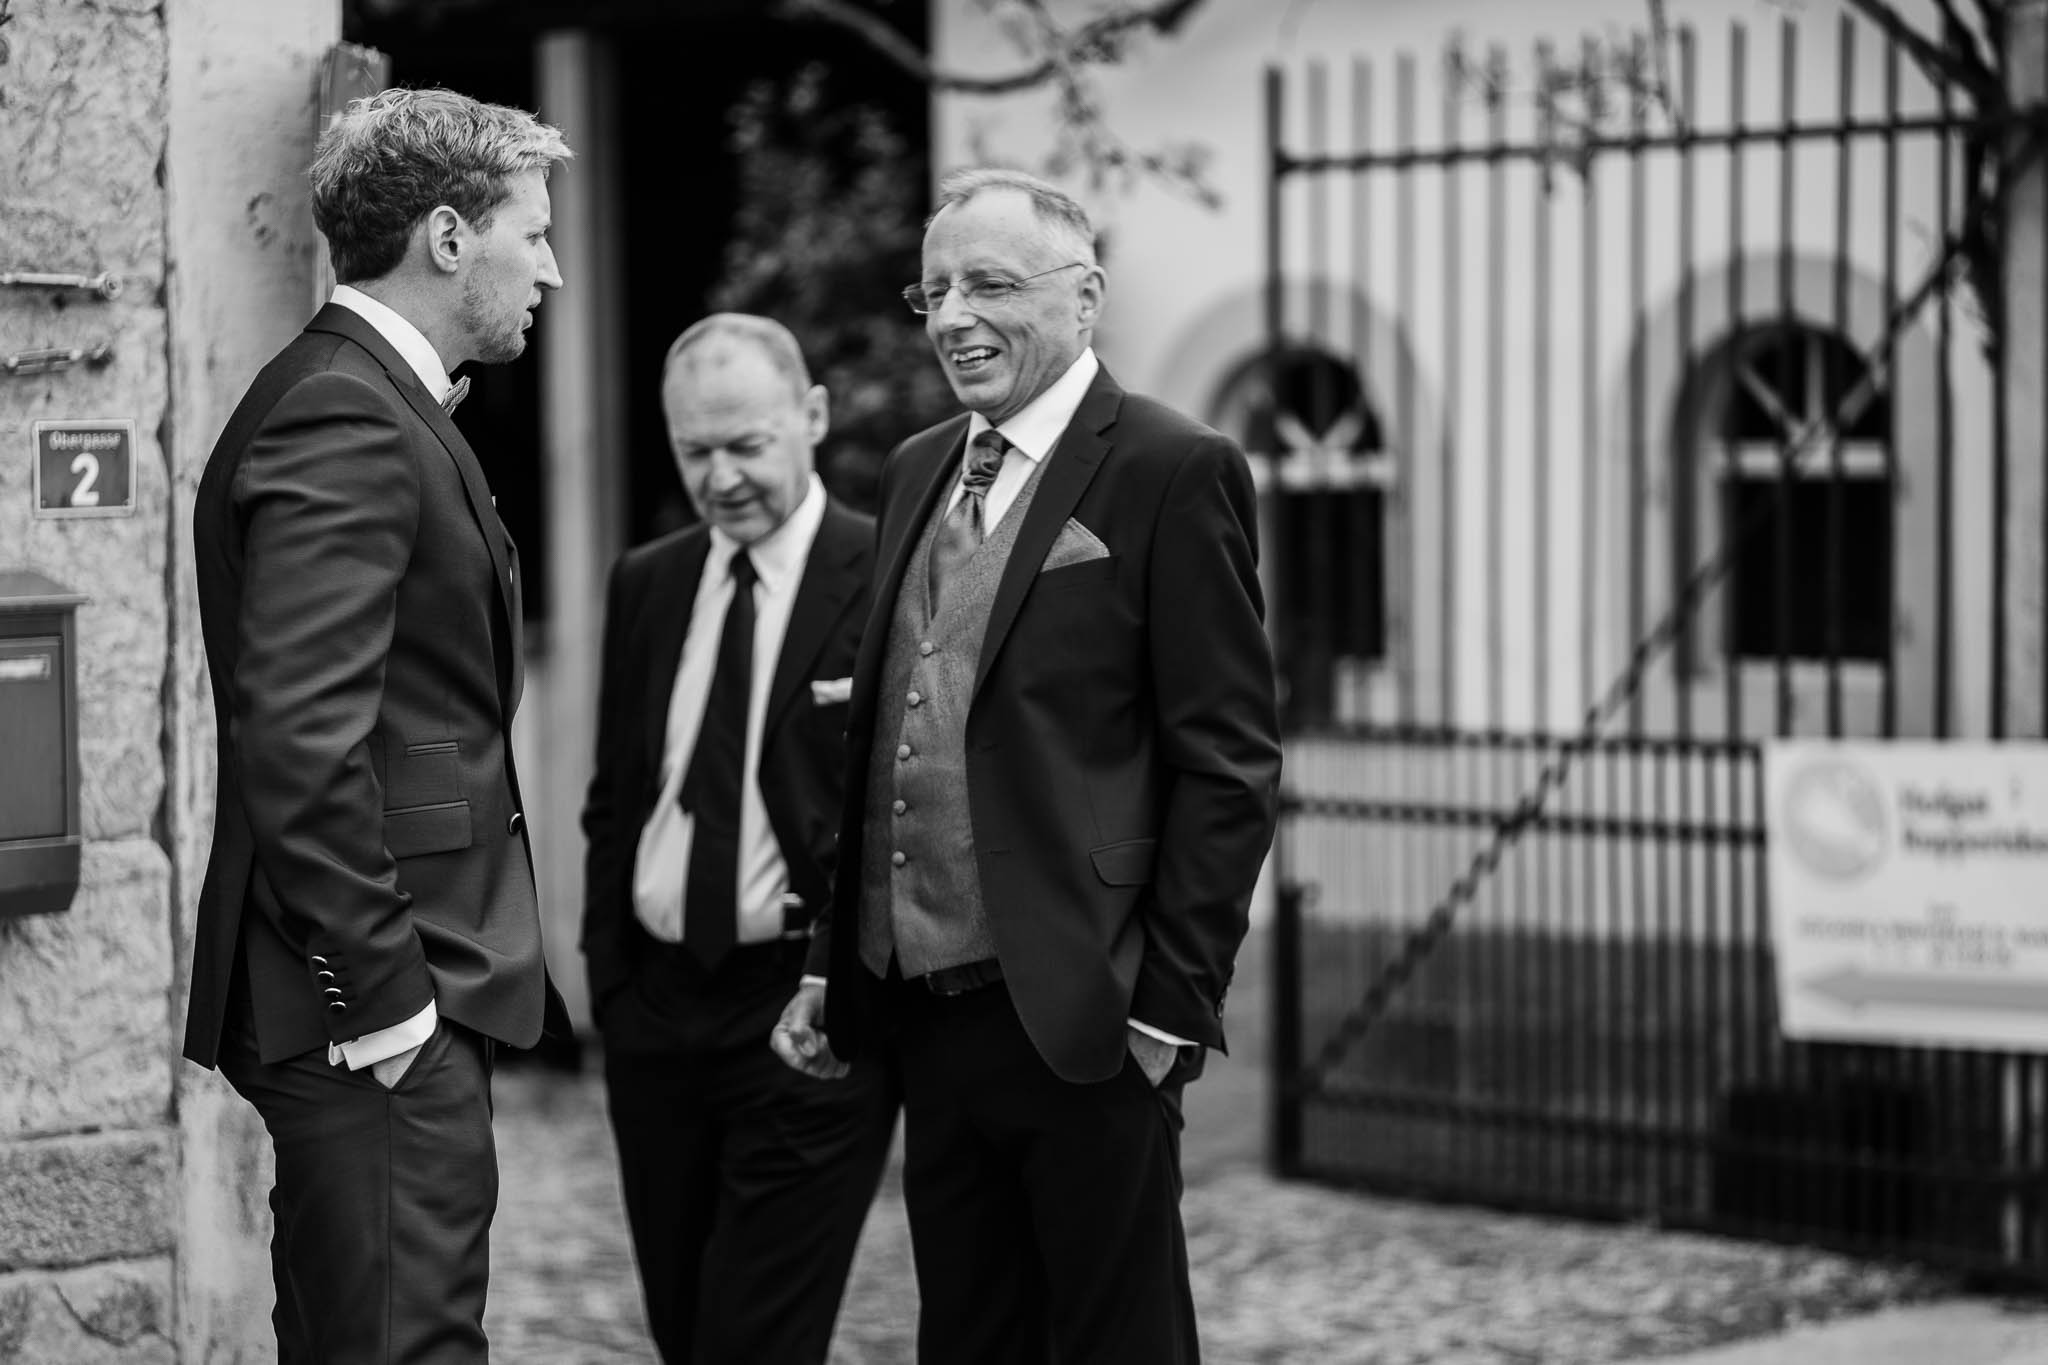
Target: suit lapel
665,629
821,595
1070,469
516,606
928,467
929,474
347,323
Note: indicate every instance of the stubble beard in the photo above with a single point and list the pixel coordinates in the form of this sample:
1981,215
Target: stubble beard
497,343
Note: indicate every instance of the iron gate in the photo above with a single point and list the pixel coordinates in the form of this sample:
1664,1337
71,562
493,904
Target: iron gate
1657,417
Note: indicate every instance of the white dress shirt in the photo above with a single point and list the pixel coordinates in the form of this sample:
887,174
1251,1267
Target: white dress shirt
661,863
1032,433
410,343
414,348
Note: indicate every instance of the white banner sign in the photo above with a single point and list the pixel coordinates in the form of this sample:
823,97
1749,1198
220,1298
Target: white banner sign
1909,891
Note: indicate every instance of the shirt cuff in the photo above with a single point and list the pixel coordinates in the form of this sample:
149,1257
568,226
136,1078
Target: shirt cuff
809,980
1161,1034
385,1043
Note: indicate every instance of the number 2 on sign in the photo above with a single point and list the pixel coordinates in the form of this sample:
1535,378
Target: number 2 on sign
85,495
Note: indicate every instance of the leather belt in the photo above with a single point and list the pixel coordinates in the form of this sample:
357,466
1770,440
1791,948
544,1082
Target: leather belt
968,976
767,957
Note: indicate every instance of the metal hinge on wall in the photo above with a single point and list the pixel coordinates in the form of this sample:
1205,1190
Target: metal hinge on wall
106,284
50,358
42,360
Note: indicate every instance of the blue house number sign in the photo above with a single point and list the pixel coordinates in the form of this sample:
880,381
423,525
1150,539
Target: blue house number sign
84,469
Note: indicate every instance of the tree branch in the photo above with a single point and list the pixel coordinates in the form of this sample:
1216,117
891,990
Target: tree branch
1992,12
1978,50
1933,58
1097,40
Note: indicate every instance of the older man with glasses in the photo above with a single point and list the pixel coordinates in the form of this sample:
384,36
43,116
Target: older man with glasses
1063,757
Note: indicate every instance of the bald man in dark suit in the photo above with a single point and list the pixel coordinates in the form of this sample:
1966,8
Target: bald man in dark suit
711,820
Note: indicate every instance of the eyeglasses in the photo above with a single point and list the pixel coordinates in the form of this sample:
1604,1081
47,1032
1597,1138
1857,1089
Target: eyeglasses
980,291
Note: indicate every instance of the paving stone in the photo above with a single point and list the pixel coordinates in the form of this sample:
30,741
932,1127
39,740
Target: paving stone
1282,1273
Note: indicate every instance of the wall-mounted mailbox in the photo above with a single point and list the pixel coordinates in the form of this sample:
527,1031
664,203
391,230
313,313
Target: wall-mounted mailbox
39,831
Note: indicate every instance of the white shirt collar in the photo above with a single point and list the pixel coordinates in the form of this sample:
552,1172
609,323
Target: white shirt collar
1037,426
406,339
778,556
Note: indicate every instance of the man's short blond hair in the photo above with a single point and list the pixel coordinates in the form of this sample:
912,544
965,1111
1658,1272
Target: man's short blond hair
392,158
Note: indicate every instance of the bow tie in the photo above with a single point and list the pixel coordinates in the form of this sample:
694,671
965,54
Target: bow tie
452,399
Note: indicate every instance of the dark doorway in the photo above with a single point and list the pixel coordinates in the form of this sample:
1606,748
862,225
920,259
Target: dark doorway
682,68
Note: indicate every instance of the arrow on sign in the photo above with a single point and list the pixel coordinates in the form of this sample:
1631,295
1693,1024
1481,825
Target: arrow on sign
1859,989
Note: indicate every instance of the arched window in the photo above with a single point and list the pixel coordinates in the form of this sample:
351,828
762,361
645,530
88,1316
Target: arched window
1320,458
1813,577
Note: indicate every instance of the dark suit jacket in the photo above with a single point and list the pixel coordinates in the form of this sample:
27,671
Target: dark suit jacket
803,760
1123,749
359,600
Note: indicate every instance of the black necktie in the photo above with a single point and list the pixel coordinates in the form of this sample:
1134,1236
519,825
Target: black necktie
960,534
711,788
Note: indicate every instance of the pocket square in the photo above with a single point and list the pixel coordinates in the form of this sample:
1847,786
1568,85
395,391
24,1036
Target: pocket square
831,691
1075,544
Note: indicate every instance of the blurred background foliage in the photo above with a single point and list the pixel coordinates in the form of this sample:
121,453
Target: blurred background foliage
825,234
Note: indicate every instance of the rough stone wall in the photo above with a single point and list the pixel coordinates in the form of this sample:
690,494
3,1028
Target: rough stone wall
87,1152
163,140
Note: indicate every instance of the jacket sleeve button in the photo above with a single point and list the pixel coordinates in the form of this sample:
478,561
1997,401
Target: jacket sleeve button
516,823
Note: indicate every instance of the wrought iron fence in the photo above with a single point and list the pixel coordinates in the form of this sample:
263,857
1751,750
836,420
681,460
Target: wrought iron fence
1593,461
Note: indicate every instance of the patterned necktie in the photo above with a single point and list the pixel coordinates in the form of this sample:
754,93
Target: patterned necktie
457,391
711,788
961,532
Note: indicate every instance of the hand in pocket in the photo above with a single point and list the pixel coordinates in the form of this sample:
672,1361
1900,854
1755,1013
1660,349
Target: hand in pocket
391,1070
1155,1056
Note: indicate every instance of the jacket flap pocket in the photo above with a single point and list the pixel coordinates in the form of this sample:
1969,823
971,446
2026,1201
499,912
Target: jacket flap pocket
417,830
1128,863
423,775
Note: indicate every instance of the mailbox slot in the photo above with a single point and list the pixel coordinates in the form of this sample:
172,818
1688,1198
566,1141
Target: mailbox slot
40,837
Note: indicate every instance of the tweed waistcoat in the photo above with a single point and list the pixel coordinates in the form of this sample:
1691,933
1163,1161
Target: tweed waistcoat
920,880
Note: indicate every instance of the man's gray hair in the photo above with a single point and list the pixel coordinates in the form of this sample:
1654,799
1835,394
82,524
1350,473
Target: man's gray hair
392,158
774,341
1065,221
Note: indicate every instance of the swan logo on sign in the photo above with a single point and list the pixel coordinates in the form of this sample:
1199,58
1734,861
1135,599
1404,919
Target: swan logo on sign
1834,820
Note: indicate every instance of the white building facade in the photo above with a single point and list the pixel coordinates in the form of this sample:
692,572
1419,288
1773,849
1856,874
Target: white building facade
1551,372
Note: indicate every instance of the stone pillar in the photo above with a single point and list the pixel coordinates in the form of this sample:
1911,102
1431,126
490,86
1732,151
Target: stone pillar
163,141
583,468
2024,243
243,115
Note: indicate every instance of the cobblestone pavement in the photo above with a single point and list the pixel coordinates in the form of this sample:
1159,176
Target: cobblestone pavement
1282,1273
